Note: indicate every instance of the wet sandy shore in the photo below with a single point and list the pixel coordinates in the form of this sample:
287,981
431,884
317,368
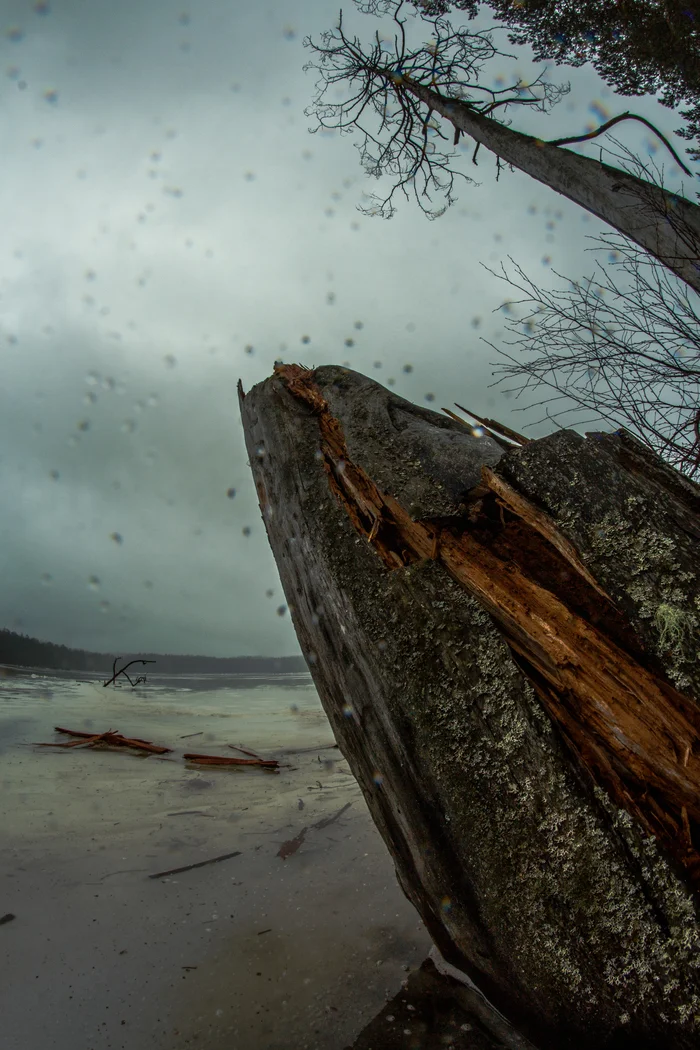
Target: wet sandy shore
256,952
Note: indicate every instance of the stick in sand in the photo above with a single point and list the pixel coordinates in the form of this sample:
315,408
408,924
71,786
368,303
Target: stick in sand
199,864
224,760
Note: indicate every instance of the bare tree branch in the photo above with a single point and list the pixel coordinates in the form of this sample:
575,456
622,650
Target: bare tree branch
634,361
394,84
403,142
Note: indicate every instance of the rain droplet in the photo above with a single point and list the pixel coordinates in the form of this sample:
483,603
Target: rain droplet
117,537
281,610
94,583
230,493
246,530
170,360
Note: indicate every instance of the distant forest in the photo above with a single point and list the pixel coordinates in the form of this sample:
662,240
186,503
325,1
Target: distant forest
22,651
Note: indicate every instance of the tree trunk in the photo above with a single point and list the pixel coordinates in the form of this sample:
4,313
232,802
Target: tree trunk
504,639
664,224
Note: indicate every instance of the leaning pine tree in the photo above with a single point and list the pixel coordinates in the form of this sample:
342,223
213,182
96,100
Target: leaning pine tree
407,88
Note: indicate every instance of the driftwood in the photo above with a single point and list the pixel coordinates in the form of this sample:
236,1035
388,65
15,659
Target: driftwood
111,737
199,864
505,642
292,845
224,760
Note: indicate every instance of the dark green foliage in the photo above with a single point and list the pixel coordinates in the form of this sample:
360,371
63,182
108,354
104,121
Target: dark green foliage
19,650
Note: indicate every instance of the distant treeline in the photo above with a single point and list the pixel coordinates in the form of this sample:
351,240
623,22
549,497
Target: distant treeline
22,651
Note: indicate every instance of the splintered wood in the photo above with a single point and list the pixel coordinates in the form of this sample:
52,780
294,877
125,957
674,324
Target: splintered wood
628,726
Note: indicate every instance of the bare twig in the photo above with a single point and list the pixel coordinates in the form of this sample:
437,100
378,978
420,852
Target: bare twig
199,864
628,356
401,138
122,670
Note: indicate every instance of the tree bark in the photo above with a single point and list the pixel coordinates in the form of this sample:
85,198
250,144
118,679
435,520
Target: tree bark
663,223
504,639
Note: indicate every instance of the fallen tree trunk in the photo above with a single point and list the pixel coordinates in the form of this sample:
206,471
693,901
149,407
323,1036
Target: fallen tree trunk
504,638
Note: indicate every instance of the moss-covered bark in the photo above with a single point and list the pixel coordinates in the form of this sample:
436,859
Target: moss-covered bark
514,827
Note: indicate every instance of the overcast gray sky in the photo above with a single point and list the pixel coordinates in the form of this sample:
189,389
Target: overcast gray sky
163,208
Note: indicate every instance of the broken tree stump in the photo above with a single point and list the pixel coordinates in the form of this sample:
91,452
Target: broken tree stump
505,642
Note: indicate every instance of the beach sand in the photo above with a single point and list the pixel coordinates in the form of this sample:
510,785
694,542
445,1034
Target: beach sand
253,953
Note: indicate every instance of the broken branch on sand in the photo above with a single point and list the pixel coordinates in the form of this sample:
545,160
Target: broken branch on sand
245,752
292,845
199,864
111,737
218,760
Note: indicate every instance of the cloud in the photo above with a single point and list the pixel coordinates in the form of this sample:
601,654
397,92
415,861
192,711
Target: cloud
164,207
